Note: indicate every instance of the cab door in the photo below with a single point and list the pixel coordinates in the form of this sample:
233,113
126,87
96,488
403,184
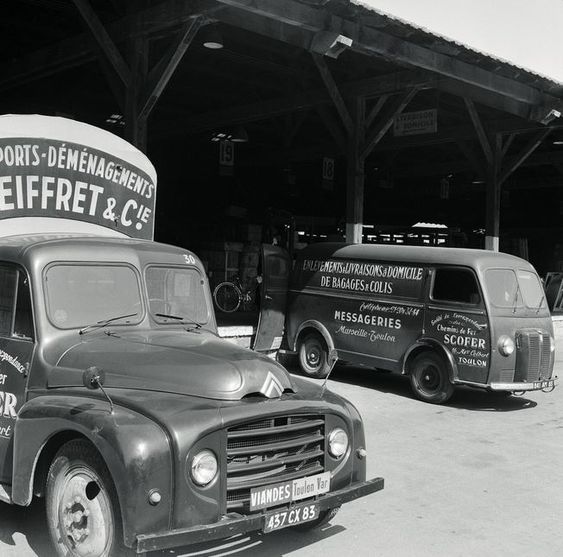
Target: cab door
16,351
272,298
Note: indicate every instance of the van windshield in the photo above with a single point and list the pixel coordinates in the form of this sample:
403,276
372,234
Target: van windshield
176,294
510,289
81,294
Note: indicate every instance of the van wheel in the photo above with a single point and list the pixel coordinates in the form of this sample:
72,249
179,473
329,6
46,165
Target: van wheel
429,378
82,511
313,356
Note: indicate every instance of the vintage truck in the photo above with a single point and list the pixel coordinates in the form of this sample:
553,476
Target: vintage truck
121,406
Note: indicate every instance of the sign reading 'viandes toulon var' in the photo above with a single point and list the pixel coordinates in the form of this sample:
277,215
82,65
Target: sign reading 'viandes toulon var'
41,177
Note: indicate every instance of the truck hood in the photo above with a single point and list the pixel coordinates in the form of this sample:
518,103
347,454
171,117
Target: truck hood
193,363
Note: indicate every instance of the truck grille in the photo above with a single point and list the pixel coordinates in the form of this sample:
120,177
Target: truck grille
533,355
269,451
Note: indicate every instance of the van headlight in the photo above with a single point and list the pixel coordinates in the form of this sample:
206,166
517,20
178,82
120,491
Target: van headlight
204,467
337,442
505,345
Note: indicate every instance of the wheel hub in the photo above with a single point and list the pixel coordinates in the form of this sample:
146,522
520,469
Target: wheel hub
431,378
83,515
75,520
313,358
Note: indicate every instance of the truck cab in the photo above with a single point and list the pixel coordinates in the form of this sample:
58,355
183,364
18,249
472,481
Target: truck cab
140,426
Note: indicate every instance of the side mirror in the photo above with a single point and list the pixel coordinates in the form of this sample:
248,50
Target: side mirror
93,378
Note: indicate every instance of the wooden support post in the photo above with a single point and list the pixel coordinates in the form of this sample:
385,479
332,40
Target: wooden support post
493,196
135,126
356,174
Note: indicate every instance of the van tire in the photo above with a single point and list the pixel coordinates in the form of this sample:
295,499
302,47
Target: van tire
430,379
81,504
313,356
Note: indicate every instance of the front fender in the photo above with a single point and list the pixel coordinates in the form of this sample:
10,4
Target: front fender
135,449
320,328
426,343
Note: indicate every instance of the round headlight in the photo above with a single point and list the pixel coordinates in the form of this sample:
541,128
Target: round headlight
505,345
204,467
337,442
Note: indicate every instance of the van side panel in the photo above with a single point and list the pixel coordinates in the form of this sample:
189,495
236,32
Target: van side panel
372,310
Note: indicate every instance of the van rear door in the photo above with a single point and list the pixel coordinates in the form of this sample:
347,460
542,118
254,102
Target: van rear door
273,295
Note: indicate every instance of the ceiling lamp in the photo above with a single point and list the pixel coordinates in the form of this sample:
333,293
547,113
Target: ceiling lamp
213,38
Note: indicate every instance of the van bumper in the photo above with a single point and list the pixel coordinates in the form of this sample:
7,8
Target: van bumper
546,385
235,523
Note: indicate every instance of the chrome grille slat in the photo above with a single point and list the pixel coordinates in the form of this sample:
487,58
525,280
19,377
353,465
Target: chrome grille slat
249,467
316,469
277,446
276,429
533,356
270,451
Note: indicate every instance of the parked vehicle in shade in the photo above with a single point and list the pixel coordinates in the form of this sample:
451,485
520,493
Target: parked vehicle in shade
442,316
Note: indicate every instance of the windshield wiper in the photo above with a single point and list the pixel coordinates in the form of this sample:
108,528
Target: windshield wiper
540,304
104,322
196,324
515,302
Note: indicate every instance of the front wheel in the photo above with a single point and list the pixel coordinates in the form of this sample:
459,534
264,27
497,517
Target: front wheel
429,378
81,505
313,356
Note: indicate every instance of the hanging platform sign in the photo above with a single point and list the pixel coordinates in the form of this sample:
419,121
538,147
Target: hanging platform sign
414,123
55,168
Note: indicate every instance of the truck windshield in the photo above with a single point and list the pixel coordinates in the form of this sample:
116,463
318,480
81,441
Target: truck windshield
510,289
82,294
176,294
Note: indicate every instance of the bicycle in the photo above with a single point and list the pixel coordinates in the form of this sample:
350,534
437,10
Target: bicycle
230,294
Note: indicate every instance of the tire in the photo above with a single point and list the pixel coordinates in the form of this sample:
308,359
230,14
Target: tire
430,379
227,297
324,518
81,503
313,356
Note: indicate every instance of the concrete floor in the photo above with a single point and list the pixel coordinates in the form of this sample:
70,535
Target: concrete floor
480,476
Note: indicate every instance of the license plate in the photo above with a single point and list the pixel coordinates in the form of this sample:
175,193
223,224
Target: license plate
543,384
287,492
290,517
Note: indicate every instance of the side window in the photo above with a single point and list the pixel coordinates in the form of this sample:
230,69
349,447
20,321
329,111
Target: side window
23,323
455,285
8,278
15,305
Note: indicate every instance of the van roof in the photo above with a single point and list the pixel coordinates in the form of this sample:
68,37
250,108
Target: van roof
476,258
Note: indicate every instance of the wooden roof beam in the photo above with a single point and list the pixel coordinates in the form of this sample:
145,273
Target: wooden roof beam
294,22
530,147
104,41
381,129
160,75
333,91
479,129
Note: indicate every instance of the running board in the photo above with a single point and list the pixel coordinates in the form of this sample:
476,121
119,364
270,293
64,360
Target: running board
6,493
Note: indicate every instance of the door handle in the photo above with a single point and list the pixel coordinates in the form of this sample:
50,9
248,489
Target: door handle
267,297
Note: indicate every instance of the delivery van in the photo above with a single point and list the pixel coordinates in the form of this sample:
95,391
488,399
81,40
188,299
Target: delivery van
442,316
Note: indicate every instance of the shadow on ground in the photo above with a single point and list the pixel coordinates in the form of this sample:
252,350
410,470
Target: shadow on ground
463,397
275,544
28,522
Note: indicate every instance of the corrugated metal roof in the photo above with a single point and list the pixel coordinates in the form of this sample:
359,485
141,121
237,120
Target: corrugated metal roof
445,45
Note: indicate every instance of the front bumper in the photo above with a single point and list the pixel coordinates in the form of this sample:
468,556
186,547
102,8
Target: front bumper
235,523
547,385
